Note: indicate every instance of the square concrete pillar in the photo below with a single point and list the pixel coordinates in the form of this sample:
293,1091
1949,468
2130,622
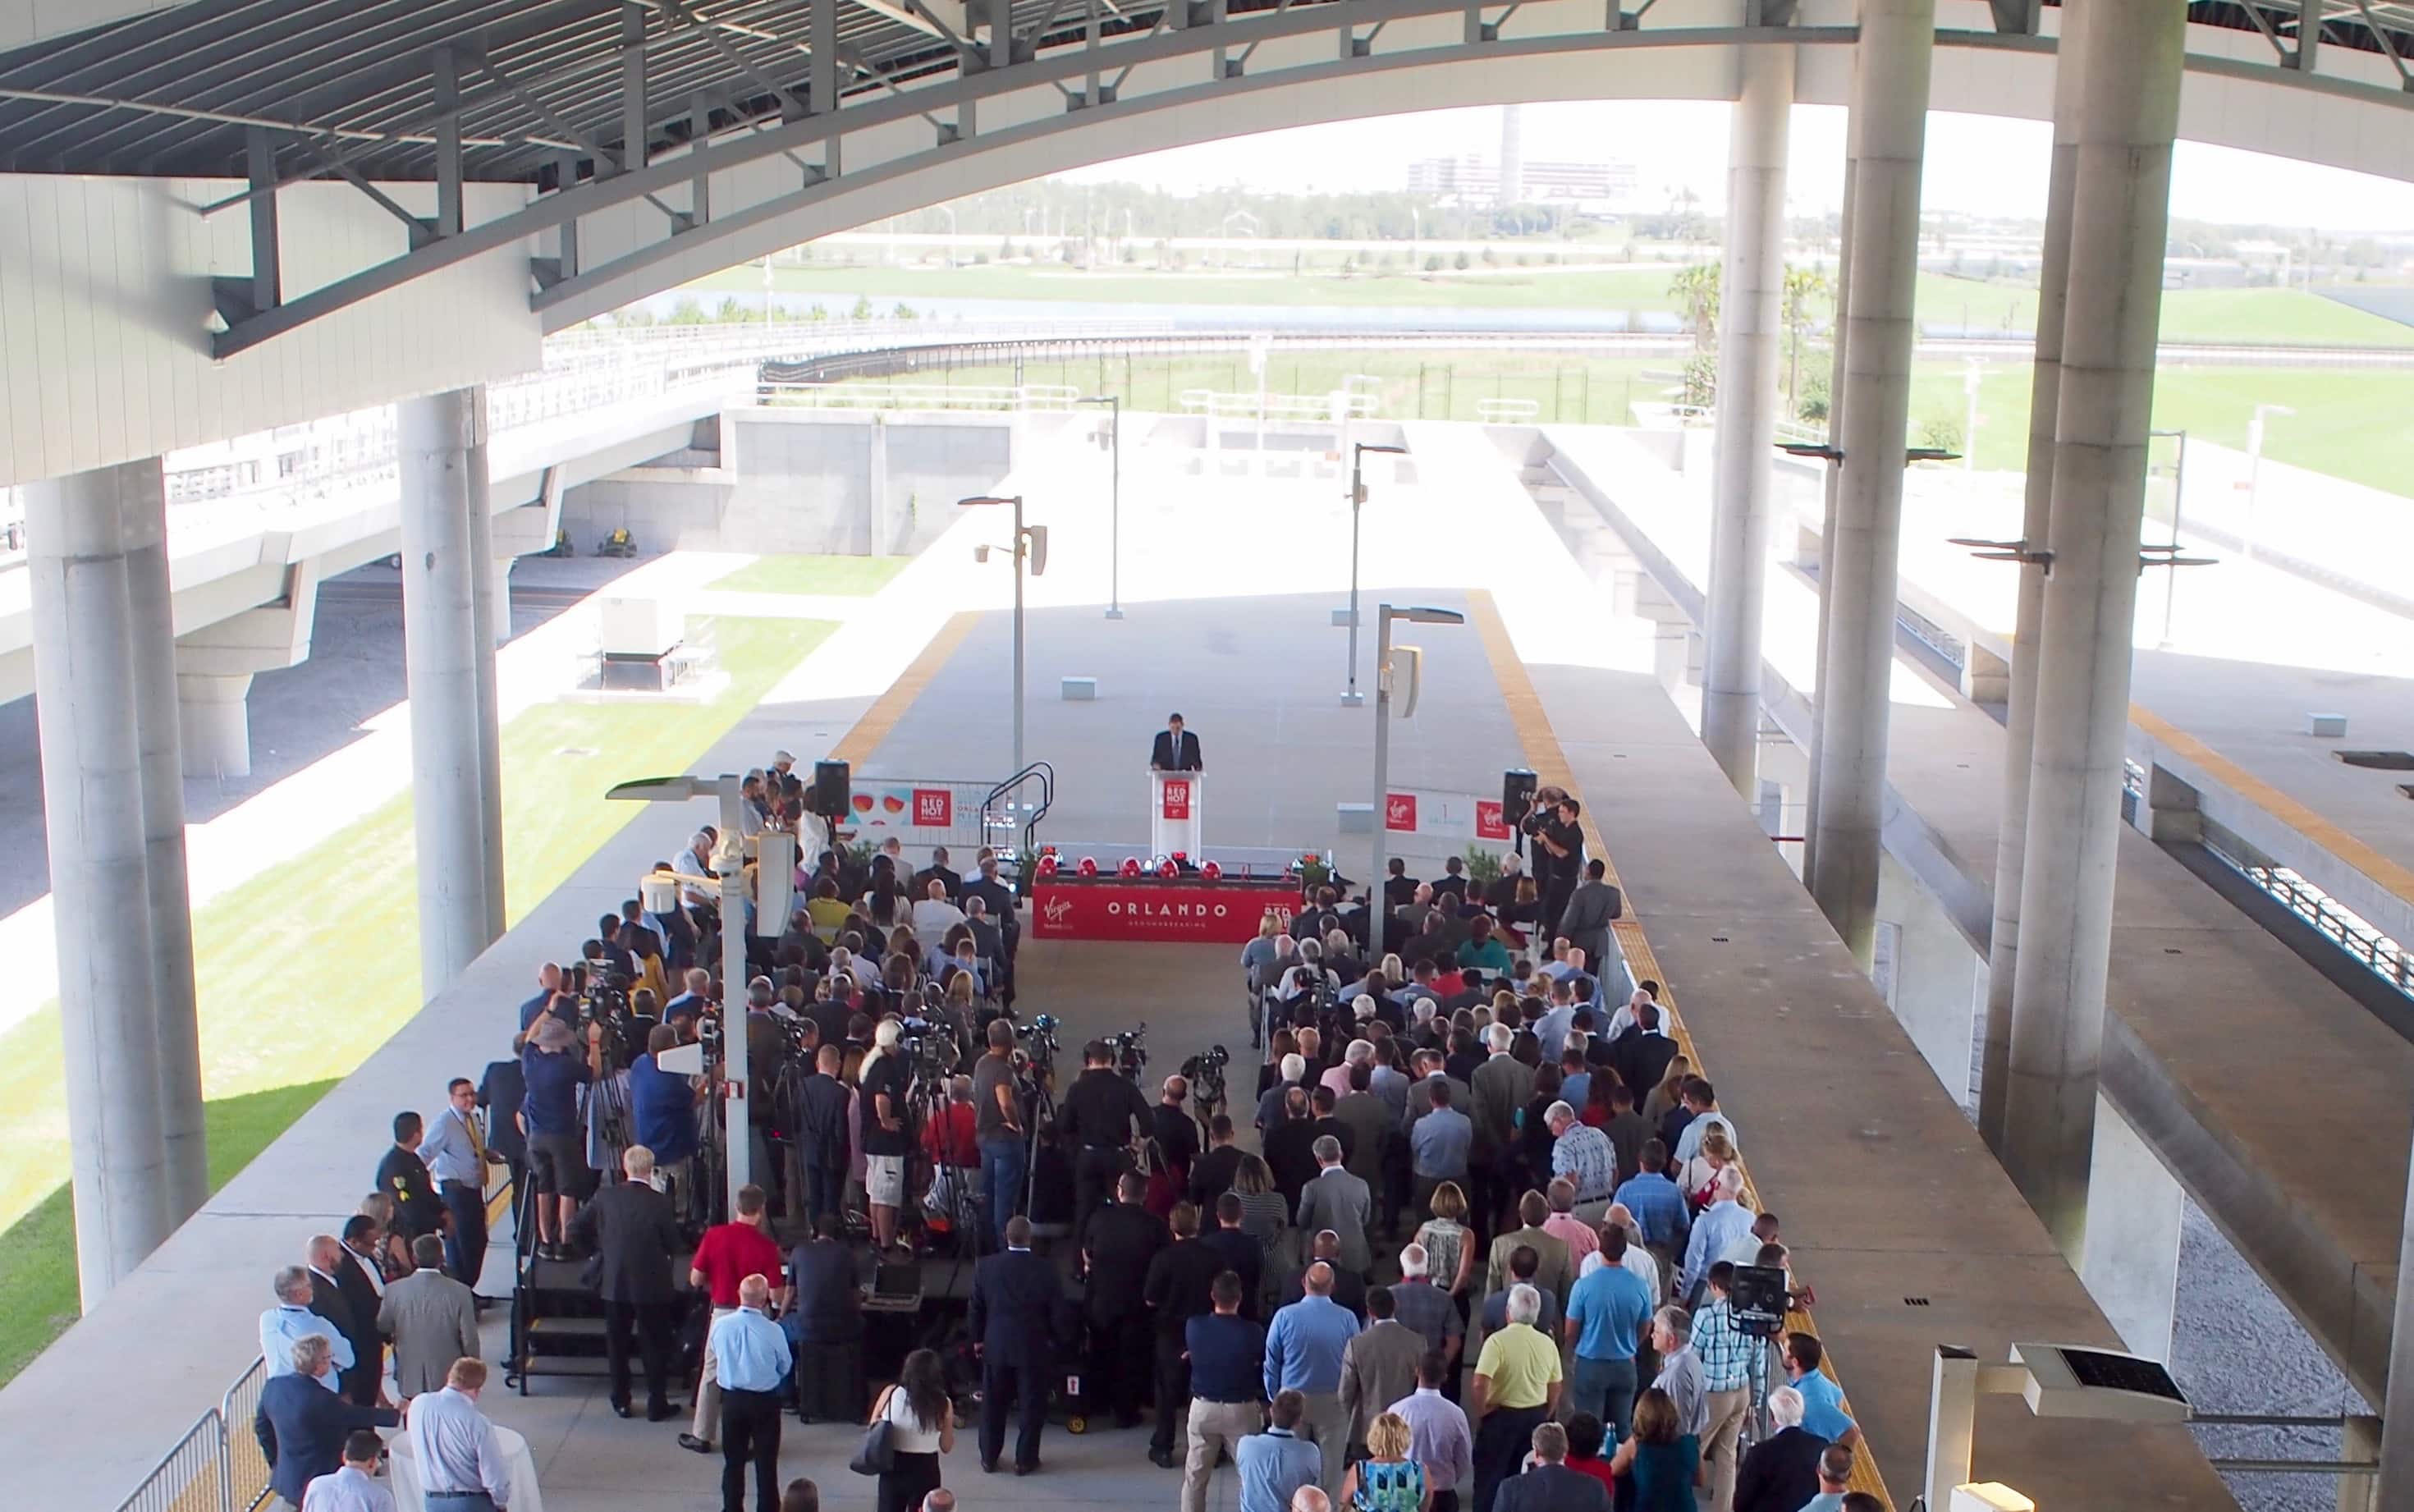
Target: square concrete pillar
2132,1261
2172,814
1986,678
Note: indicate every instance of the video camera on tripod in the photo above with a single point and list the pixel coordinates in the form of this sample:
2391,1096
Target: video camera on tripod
1205,1074
1757,1294
1128,1051
1038,1039
931,1048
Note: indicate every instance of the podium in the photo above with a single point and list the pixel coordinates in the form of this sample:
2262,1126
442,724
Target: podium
1173,813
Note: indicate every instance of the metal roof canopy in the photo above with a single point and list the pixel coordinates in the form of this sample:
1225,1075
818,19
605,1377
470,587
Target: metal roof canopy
173,92
579,96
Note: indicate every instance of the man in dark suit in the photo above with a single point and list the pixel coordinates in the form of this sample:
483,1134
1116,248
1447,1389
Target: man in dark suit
300,1424
1013,1303
1551,1486
1240,1253
1349,1286
1781,1473
633,1233
1123,1237
1641,1054
1210,1175
358,1383
355,1257
1180,1286
1176,749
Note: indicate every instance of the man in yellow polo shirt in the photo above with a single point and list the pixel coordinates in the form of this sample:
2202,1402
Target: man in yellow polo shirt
1516,1386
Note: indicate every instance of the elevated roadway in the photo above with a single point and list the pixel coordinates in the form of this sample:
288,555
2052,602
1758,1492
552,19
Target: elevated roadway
2210,1013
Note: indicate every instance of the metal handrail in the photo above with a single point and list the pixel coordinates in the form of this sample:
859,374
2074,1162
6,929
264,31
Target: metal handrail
246,1471
1045,775
216,1466
850,394
199,1460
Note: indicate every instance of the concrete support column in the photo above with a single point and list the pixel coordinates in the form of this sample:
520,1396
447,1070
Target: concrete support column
80,531
2134,1212
1935,978
1857,579
493,617
1751,336
2019,719
882,527
2394,1486
214,666
2119,217
442,581
1822,550
214,719
167,875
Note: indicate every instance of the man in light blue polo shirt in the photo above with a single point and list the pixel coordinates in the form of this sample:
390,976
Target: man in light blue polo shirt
1822,1401
1607,1313
1277,1462
1303,1354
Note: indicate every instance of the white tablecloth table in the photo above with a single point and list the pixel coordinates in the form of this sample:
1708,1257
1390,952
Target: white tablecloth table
525,1496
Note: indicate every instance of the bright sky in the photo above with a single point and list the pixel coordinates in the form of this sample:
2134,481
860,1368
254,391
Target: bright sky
1979,164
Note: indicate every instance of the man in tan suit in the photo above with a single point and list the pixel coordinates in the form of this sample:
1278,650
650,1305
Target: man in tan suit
431,1318
1558,1272
1374,1364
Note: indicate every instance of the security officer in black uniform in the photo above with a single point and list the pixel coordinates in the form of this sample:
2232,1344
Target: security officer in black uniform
1102,1114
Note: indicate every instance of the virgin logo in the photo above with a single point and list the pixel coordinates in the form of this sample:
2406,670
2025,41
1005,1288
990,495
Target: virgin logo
1057,909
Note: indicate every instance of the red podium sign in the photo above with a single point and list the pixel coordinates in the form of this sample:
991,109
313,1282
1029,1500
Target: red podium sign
1177,798
1183,911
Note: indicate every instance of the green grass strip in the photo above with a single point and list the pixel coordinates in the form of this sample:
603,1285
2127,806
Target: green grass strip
305,972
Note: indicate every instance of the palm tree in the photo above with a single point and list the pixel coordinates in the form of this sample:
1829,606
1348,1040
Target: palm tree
1804,288
1696,290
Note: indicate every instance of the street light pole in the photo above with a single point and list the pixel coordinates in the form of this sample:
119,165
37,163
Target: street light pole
1030,544
1115,507
1384,614
736,1127
1353,698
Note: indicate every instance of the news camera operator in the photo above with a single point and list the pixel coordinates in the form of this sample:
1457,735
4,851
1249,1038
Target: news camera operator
1103,1113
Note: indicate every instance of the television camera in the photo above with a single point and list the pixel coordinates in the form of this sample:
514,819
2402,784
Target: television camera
1128,1050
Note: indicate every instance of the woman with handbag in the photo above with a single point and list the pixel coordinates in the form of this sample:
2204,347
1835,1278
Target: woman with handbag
918,1422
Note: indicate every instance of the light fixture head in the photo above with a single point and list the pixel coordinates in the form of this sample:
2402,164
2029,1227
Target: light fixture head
1419,614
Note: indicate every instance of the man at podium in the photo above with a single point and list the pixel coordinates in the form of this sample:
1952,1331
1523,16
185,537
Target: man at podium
1176,749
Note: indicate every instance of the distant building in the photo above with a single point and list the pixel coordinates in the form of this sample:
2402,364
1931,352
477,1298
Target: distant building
1476,181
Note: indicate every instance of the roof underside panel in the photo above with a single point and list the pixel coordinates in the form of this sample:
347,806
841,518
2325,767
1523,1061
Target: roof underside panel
179,91
176,92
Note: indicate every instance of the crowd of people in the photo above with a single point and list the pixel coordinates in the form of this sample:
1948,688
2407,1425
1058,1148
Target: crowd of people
1482,1253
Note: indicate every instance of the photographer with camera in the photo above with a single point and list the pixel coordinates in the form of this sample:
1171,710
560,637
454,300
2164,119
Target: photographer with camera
999,1129
553,1072
1103,1113
662,1112
884,1080
1177,1146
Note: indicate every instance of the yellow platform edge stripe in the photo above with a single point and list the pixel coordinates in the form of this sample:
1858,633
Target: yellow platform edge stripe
858,745
1548,761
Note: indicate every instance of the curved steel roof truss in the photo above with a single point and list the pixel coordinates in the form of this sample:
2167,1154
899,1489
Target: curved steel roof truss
597,103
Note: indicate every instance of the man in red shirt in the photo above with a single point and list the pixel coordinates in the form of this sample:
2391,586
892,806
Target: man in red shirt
951,1138
726,1256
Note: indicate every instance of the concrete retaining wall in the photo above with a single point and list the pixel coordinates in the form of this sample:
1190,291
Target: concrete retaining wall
849,483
